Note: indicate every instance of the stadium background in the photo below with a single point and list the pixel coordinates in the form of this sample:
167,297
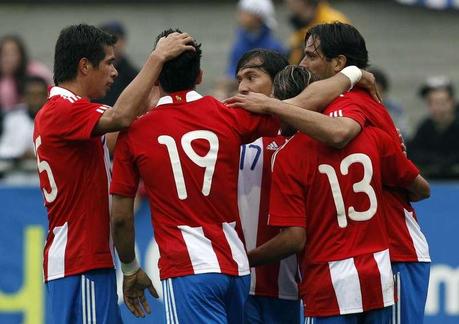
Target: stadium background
409,42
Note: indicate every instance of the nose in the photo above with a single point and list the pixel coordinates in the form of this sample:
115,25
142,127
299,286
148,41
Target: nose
304,62
114,72
243,88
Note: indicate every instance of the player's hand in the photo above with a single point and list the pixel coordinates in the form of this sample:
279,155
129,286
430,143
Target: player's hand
254,102
133,292
368,82
173,45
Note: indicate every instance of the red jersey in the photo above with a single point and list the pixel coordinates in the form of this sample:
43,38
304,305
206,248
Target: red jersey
74,175
277,280
187,152
407,242
337,196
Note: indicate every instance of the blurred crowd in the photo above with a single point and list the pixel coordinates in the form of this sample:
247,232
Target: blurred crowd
24,83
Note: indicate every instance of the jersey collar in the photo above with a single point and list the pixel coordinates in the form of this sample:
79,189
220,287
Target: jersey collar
58,91
179,97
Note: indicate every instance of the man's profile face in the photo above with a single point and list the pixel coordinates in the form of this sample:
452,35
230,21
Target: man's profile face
103,76
315,61
252,77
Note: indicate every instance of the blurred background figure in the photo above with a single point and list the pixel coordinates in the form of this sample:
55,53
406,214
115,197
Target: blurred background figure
16,143
126,71
396,111
303,15
15,67
256,23
435,147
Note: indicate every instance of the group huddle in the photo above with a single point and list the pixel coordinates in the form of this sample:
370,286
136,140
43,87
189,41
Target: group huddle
297,188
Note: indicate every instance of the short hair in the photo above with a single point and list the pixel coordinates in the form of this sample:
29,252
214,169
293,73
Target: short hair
341,39
76,42
181,72
270,61
291,81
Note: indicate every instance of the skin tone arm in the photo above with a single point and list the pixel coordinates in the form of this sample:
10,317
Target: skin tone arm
419,189
122,224
290,241
335,132
131,102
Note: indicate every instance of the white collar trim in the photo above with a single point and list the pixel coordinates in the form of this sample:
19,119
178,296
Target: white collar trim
58,91
189,97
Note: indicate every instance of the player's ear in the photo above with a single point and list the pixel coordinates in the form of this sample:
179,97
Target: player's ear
84,66
339,63
199,77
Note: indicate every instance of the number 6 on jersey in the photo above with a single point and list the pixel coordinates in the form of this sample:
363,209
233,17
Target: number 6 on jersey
207,161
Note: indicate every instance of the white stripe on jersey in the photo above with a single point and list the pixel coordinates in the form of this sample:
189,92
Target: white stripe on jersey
100,110
419,240
200,250
382,259
237,248
346,283
56,252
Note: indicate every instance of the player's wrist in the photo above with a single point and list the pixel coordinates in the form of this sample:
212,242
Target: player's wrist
353,73
157,55
130,268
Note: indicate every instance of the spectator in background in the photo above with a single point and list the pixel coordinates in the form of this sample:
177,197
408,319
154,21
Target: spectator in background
305,14
256,23
16,140
15,66
126,71
435,147
395,109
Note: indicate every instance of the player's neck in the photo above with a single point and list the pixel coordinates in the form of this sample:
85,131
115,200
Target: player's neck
74,87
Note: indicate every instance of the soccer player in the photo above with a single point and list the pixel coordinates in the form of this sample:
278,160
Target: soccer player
73,166
329,203
329,48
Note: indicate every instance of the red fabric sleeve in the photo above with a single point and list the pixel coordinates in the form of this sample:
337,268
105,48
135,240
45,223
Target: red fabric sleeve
288,190
76,121
125,179
397,170
346,107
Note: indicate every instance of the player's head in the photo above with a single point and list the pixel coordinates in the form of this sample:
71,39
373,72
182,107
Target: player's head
35,94
289,83
331,47
84,51
256,70
184,71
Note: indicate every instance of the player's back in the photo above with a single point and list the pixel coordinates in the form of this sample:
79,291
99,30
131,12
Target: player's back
187,152
73,171
407,241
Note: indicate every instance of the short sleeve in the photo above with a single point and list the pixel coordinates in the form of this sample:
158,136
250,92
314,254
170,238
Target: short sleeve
288,188
125,178
252,126
346,107
397,170
77,120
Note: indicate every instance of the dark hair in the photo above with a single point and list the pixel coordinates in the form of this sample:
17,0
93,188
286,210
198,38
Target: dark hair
21,71
270,61
341,39
76,42
181,72
289,82
114,27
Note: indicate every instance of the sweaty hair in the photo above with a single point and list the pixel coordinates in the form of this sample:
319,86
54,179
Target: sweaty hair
181,72
76,42
270,62
289,82
340,39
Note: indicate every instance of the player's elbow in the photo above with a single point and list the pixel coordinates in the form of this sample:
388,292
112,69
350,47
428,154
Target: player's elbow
339,138
118,221
420,189
297,239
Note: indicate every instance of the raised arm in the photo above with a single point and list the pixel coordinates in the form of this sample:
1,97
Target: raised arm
290,241
131,102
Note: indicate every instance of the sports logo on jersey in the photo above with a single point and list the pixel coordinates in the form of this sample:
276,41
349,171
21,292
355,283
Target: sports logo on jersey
272,146
336,113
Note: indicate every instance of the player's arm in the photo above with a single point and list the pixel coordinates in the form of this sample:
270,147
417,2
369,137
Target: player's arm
419,189
335,132
290,241
131,102
135,280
